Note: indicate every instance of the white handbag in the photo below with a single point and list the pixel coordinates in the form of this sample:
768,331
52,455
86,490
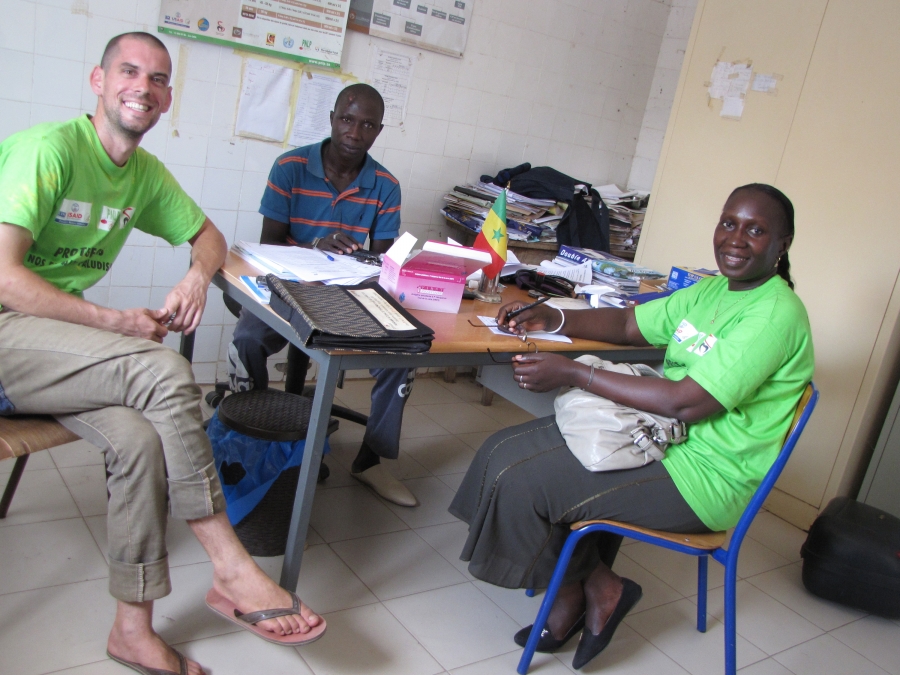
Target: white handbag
607,436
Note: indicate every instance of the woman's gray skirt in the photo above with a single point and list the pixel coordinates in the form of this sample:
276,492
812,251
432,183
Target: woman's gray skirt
525,488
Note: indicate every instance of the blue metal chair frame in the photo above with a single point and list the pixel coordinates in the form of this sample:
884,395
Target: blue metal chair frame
727,557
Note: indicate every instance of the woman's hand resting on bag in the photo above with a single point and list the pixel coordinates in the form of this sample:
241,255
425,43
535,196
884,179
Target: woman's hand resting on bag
544,371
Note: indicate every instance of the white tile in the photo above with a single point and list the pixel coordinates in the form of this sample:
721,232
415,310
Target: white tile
544,664
105,667
676,569
326,583
50,41
244,653
439,454
520,608
756,559
417,425
221,189
16,116
16,75
452,480
764,621
426,390
486,144
38,555
41,496
196,103
426,169
785,585
81,615
17,31
434,499
672,629
766,667
187,149
87,485
351,512
438,102
76,453
448,540
190,178
397,564
467,628
133,267
627,654
100,29
170,265
656,591
38,460
368,641
826,656
57,82
778,535
457,417
466,105
475,440
875,638
460,138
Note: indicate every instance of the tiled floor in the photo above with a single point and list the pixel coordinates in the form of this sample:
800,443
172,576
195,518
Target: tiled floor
397,599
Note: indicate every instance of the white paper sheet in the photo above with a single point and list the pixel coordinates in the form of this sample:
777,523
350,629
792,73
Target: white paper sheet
391,73
733,107
315,101
767,83
491,322
305,264
265,100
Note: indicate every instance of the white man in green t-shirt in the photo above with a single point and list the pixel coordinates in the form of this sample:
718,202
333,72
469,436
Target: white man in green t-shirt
69,195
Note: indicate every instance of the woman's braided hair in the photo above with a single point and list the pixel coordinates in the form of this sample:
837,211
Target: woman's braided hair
784,265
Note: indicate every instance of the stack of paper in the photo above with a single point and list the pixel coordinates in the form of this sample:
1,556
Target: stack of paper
305,264
626,216
527,219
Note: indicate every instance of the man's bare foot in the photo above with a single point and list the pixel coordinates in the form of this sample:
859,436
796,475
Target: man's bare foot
602,589
567,609
143,646
251,590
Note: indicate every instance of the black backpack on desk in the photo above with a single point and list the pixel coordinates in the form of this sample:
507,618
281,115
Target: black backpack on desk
586,221
852,556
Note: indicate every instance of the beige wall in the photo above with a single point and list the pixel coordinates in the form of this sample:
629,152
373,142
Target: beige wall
829,139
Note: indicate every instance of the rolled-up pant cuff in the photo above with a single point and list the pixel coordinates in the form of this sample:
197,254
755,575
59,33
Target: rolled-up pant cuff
139,582
197,495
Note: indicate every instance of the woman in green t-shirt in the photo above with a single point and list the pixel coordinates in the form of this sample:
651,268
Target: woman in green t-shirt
738,357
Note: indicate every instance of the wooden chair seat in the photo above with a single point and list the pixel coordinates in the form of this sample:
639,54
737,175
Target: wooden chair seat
709,541
24,434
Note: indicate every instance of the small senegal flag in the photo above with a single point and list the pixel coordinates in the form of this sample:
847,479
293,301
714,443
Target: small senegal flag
492,237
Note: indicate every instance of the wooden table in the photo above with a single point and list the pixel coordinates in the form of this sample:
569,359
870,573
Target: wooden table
457,343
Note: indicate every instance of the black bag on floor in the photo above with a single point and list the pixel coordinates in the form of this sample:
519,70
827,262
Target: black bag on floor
852,556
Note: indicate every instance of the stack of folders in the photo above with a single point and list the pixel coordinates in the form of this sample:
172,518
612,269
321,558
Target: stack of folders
527,219
357,318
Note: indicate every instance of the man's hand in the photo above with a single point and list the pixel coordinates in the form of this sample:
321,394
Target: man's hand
184,305
143,323
338,243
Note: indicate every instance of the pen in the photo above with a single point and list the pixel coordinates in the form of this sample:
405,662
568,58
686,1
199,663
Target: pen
513,314
326,255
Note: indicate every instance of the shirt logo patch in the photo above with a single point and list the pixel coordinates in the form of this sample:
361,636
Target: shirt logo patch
74,213
108,217
702,344
127,213
684,331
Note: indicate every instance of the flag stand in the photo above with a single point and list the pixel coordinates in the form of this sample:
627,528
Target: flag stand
489,289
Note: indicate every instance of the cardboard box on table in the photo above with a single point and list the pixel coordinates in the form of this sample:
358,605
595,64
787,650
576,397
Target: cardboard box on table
431,279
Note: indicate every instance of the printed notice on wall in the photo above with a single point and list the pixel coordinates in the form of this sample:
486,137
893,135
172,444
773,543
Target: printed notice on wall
265,101
391,73
729,83
438,25
311,31
767,83
312,114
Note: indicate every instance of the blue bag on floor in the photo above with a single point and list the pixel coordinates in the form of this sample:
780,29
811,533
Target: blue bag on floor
248,466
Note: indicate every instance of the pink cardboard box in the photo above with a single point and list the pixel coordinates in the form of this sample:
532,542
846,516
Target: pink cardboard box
429,280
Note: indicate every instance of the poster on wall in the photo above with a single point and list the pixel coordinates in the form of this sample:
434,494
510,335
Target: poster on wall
311,31
437,25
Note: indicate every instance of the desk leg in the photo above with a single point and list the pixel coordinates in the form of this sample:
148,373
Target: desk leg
309,472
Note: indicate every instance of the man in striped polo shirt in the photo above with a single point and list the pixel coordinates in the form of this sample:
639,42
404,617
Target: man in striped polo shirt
333,196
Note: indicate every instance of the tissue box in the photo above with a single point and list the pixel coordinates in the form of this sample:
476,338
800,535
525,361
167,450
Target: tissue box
432,279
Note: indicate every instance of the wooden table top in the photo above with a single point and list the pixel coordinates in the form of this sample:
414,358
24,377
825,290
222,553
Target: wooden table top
452,332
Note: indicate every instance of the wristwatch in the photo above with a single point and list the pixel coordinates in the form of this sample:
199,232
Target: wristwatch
315,242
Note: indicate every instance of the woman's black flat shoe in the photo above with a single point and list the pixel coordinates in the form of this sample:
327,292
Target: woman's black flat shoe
548,644
590,644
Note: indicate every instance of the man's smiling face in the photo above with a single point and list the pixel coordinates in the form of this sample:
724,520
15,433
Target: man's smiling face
133,87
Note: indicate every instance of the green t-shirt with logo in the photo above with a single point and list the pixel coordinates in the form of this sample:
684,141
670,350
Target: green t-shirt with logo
57,181
752,351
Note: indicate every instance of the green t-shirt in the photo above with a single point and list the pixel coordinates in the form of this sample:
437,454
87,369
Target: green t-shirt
57,181
752,350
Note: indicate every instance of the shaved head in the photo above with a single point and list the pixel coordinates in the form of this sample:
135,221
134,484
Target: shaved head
112,47
360,92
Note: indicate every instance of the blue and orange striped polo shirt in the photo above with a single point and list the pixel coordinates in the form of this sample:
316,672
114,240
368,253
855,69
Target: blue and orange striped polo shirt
298,193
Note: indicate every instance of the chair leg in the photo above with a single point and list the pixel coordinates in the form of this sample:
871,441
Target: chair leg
702,569
12,484
731,619
549,597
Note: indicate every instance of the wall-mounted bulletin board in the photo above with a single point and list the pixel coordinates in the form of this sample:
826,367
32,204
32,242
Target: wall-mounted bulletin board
309,31
437,25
